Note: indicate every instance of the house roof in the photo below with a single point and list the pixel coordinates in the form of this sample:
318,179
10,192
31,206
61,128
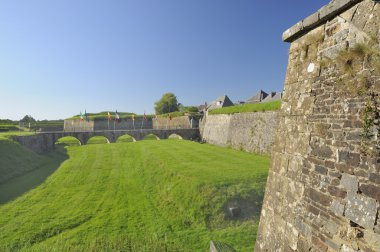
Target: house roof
258,97
273,96
220,102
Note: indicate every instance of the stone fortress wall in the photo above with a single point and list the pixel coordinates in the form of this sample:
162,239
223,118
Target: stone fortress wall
124,124
77,126
181,122
323,189
252,132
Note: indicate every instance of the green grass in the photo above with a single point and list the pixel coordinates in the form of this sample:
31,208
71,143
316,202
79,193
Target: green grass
97,140
150,137
68,140
143,196
21,169
7,135
16,160
125,139
178,114
175,136
104,115
8,127
256,107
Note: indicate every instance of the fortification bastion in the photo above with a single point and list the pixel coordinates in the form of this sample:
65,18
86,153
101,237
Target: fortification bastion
323,189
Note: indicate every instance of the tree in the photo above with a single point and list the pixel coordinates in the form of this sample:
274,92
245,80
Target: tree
168,103
28,119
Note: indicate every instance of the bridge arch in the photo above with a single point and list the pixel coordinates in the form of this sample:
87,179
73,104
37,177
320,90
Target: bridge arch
175,136
151,136
68,140
126,138
98,140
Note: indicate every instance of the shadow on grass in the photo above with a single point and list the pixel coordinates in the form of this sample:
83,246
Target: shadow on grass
19,185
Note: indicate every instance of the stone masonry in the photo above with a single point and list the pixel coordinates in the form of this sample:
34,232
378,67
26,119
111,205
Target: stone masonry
323,191
180,122
252,132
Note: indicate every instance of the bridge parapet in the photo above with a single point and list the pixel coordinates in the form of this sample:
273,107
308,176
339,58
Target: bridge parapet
44,142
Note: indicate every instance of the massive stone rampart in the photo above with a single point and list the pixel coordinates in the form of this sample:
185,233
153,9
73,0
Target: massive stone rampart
253,132
323,189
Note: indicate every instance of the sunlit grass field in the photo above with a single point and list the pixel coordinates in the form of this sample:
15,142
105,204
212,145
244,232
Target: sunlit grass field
168,195
243,108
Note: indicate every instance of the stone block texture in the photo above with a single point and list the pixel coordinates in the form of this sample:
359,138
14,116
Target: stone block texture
252,132
323,192
180,122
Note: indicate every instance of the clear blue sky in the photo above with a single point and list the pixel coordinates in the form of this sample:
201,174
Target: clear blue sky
59,57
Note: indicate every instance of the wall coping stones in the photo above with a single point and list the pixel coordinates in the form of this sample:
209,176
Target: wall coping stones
325,13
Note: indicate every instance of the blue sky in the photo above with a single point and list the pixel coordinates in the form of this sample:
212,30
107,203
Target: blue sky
59,57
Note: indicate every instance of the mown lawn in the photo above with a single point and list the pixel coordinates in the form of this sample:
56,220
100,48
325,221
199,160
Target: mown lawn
168,195
255,107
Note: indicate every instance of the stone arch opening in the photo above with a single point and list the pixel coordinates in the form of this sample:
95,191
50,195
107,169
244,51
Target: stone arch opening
68,141
175,136
151,137
125,139
98,140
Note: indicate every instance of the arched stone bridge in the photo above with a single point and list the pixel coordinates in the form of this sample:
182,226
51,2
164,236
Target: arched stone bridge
45,141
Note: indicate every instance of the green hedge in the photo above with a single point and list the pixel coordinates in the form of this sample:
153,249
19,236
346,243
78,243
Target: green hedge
8,128
255,107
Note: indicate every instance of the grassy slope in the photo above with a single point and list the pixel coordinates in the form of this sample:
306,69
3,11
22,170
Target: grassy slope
17,160
147,193
256,107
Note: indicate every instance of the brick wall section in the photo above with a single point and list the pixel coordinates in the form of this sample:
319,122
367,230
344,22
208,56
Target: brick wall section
322,192
252,132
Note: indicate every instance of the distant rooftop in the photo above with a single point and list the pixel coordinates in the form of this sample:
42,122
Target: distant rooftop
220,102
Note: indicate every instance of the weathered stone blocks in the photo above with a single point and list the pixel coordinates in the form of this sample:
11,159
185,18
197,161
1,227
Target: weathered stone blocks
361,210
350,183
318,146
252,132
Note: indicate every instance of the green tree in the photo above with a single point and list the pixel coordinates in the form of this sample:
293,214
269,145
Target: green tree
168,103
28,119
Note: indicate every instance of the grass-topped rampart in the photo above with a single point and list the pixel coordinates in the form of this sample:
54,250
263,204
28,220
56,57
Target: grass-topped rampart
104,116
168,195
243,108
179,113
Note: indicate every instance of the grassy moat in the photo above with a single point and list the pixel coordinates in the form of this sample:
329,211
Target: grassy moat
167,195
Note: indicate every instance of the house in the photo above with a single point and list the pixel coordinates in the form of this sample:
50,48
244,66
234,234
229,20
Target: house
273,96
258,97
221,102
201,108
